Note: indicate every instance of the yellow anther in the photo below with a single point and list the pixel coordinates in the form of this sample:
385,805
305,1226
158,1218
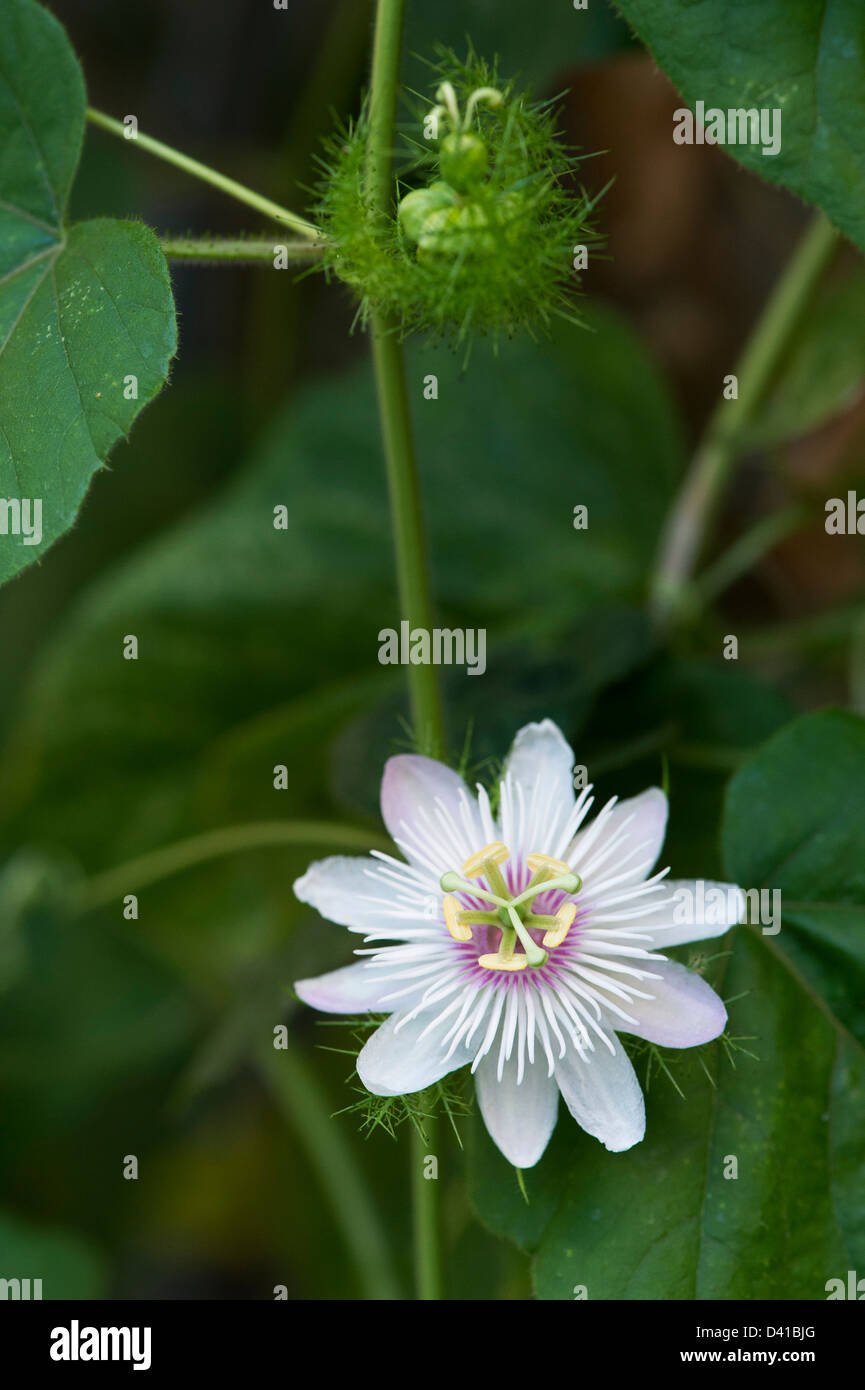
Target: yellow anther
497,962
458,930
565,916
494,853
544,864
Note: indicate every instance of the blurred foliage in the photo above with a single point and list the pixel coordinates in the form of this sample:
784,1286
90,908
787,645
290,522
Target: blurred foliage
258,647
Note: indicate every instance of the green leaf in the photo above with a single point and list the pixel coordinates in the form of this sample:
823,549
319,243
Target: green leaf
86,313
802,57
662,1221
809,783
824,370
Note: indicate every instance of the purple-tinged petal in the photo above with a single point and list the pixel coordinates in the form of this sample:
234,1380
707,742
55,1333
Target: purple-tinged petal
352,989
603,1095
430,812
360,894
397,1061
639,825
520,1118
683,1012
681,910
541,765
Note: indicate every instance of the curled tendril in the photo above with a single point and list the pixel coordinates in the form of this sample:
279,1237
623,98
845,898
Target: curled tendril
487,219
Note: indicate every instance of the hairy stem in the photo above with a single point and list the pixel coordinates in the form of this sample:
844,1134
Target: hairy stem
716,454
407,526
298,1098
406,522
207,175
214,844
253,250
393,403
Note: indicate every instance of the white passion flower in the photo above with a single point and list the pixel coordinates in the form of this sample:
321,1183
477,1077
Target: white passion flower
519,946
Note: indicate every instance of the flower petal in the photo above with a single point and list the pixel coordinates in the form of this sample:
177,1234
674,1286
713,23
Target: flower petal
677,911
357,893
541,766
520,1118
430,812
397,1061
352,989
604,1096
640,842
683,1012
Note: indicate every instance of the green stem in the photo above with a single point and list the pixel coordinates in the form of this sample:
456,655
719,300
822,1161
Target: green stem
716,454
406,523
298,1098
214,844
427,1250
207,175
236,249
393,402
383,97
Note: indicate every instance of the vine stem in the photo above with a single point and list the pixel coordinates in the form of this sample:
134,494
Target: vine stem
214,844
407,526
392,390
207,175
427,1246
713,462
299,1099
256,251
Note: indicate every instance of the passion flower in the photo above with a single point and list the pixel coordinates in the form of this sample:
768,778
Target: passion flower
518,946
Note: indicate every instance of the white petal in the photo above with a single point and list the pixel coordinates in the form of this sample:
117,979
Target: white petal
541,765
520,1118
430,812
640,841
604,1096
683,1012
357,893
353,989
673,911
397,1061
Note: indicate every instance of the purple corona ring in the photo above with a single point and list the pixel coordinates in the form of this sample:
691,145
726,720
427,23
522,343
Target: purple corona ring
519,945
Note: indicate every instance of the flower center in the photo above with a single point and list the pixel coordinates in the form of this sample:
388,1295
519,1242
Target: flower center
511,913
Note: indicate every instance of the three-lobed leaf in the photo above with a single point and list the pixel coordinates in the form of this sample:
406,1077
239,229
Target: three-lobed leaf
87,326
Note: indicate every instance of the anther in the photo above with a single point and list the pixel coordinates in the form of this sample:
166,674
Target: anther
499,962
565,917
485,864
544,866
458,930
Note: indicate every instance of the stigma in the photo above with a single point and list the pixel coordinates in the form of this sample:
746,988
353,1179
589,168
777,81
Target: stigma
511,914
